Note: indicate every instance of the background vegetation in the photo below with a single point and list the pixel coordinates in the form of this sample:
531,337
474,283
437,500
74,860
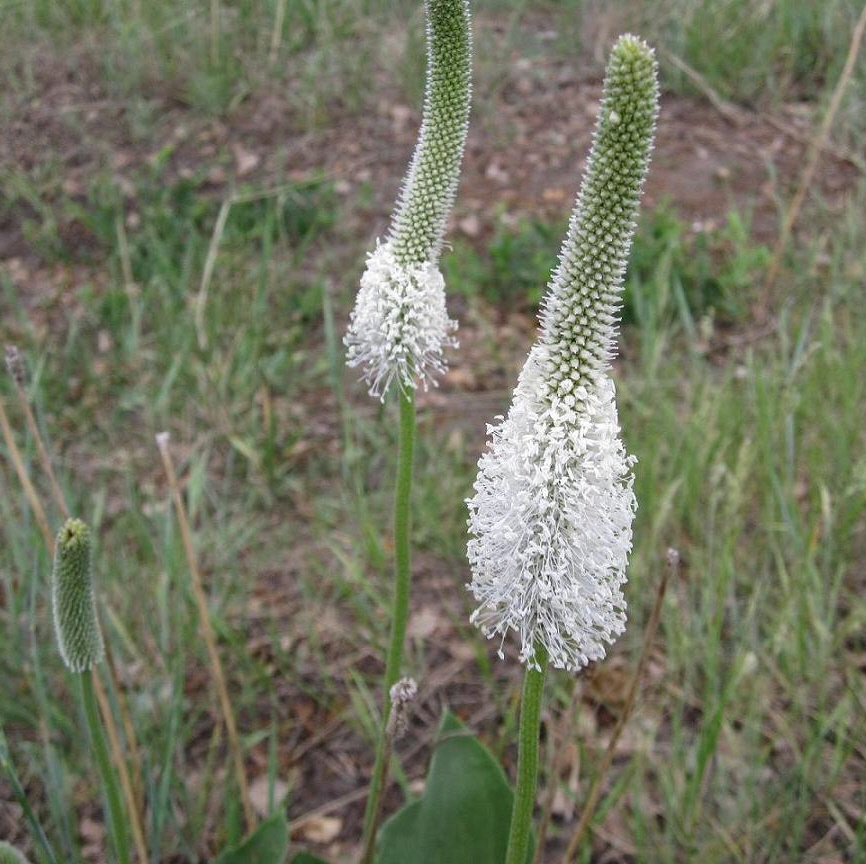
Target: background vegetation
185,201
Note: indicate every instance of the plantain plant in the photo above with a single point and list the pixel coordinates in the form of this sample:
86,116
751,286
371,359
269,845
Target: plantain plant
399,328
551,517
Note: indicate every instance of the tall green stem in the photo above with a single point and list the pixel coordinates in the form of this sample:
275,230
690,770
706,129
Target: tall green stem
527,761
402,554
117,817
400,611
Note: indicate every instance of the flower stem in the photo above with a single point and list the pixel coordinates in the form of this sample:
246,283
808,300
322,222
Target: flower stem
527,760
371,819
117,818
400,611
402,555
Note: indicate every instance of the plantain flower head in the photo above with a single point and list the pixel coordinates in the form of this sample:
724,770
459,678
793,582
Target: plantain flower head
75,619
400,327
551,519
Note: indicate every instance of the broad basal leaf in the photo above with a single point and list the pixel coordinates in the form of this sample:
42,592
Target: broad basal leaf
268,844
465,812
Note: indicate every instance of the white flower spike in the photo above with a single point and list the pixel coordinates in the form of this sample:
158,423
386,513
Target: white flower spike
551,518
400,326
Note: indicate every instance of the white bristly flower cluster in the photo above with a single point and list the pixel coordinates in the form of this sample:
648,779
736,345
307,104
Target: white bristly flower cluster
400,327
551,518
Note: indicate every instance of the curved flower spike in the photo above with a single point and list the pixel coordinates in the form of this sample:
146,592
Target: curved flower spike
552,513
428,192
400,325
75,620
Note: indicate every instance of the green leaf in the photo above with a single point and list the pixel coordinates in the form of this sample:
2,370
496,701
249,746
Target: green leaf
307,858
268,844
464,814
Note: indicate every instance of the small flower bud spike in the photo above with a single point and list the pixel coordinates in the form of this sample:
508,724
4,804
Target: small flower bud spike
80,640
551,517
75,619
400,325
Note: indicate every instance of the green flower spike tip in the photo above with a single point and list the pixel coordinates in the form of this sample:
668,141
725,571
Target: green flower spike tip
10,855
428,192
75,620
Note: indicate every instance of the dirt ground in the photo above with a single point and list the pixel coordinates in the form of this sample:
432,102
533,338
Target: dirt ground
524,155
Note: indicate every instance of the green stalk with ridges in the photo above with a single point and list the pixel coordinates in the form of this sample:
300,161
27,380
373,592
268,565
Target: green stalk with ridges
527,760
116,814
400,615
